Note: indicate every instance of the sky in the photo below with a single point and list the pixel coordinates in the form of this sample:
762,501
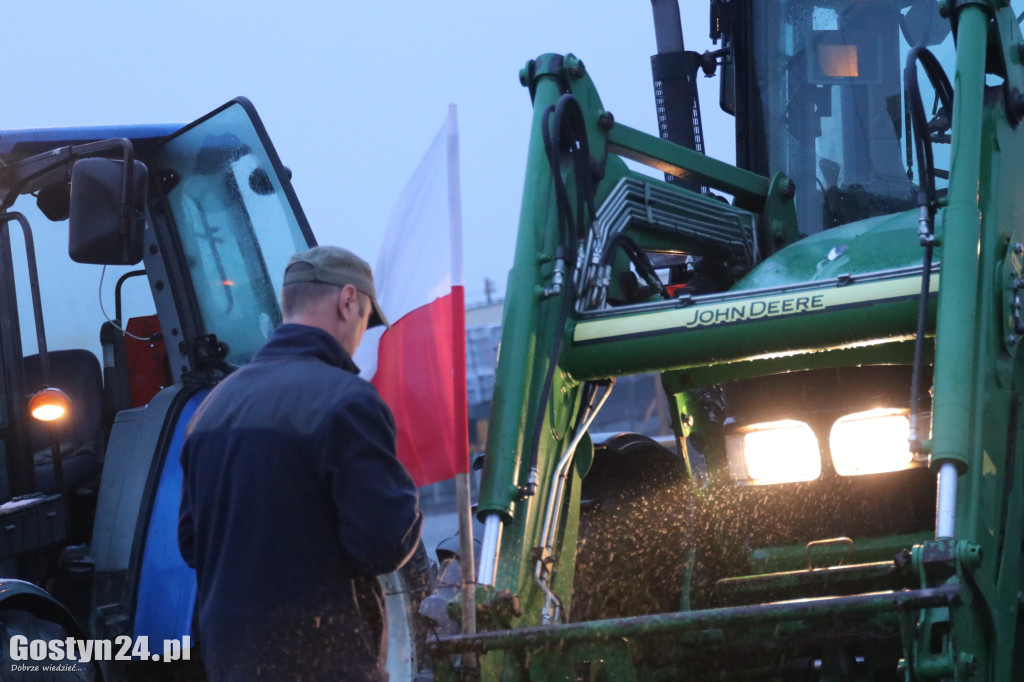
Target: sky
351,93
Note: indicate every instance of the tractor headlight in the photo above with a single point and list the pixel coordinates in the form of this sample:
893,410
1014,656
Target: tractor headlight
774,452
871,442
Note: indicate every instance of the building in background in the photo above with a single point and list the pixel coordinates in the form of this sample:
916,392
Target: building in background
637,403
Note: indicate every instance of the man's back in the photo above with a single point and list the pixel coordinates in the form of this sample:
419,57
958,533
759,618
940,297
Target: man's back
293,502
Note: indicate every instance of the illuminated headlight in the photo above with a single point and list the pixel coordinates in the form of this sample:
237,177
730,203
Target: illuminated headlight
871,442
49,404
774,452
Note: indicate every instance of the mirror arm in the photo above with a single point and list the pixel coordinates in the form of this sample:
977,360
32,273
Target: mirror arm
33,281
28,175
18,176
709,61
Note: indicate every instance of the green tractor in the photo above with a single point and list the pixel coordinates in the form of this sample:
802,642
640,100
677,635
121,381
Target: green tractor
836,321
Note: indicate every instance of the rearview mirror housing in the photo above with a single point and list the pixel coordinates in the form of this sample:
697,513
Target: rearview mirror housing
102,229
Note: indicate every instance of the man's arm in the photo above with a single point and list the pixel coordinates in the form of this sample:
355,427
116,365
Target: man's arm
379,520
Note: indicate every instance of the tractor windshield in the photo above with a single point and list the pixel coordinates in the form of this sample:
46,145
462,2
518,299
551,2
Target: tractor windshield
238,223
831,101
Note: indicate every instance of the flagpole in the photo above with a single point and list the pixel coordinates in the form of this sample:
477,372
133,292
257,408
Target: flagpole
462,483
468,573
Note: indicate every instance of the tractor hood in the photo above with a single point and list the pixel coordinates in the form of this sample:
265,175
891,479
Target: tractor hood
876,244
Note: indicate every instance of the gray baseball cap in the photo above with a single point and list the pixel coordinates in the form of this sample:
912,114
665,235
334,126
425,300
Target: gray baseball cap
337,266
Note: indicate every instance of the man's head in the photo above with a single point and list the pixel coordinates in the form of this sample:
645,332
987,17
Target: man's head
331,288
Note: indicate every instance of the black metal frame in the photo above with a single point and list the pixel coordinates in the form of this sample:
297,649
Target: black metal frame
193,329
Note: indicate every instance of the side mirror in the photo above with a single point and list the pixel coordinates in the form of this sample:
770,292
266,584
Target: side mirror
106,222
727,85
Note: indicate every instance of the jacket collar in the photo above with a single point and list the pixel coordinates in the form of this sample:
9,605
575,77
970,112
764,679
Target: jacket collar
299,340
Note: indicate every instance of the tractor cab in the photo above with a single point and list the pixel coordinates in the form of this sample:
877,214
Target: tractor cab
818,91
138,265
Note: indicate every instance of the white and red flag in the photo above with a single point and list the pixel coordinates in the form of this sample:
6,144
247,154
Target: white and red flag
419,364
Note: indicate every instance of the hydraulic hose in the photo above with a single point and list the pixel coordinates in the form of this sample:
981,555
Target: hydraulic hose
565,116
919,121
927,203
588,412
637,257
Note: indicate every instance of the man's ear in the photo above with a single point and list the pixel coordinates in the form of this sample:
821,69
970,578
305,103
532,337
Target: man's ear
348,302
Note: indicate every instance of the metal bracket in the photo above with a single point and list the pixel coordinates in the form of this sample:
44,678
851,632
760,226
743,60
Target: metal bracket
937,560
944,560
209,352
822,543
780,214
562,69
1013,299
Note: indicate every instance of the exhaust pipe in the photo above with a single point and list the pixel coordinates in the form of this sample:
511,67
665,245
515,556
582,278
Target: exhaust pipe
675,85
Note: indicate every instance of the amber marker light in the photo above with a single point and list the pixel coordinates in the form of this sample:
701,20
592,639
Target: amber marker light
49,404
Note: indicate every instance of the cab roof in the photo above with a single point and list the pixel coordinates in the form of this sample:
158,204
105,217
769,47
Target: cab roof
23,143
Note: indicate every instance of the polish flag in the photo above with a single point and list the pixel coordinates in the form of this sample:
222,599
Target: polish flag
419,364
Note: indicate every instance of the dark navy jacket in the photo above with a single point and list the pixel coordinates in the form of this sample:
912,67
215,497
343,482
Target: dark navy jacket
293,502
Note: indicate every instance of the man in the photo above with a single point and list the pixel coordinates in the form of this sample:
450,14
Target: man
293,501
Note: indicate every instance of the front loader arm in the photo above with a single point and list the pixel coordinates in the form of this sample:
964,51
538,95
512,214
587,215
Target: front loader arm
538,404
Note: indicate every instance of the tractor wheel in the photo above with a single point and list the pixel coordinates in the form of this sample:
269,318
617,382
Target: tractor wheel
16,668
636,533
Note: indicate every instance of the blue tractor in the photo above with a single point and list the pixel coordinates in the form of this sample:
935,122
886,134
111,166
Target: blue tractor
146,270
